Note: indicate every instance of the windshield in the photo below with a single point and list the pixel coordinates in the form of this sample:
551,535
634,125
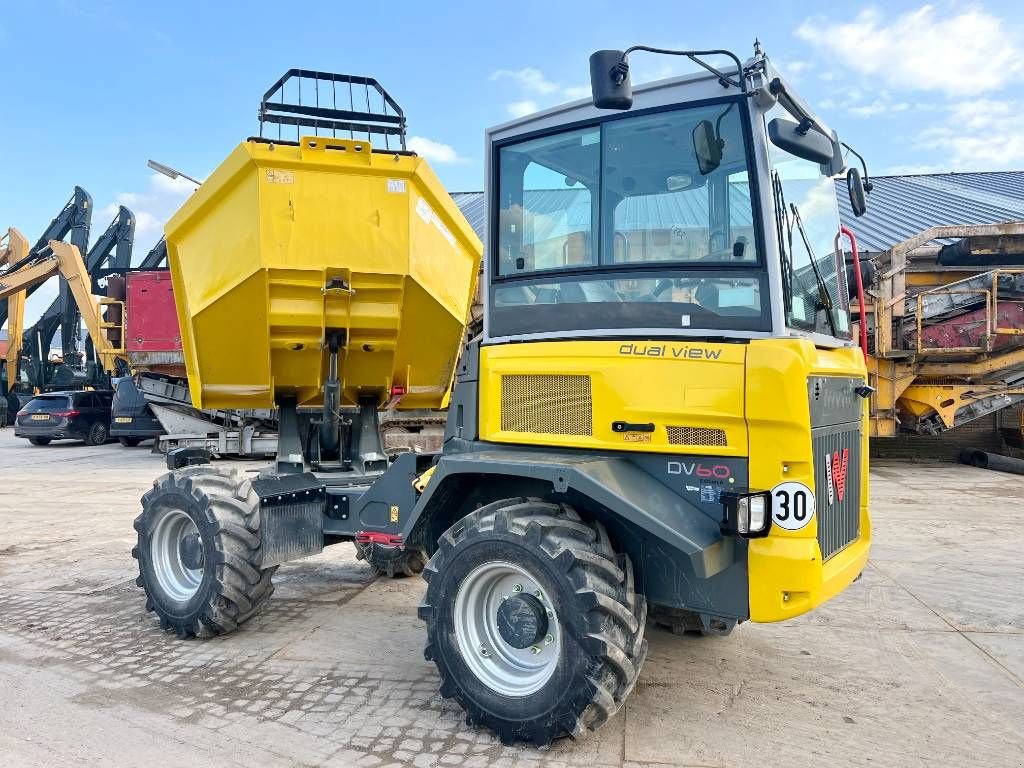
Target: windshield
815,295
641,222
48,404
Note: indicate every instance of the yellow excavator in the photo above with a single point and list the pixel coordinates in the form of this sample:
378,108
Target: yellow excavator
21,271
664,415
13,249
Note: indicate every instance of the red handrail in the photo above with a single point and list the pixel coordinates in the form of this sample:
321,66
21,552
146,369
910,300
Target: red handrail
862,320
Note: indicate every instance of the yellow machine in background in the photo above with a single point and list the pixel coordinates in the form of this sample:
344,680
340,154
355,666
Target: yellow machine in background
63,259
946,324
665,414
15,249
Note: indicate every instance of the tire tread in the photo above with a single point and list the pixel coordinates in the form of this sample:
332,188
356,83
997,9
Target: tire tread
241,587
613,614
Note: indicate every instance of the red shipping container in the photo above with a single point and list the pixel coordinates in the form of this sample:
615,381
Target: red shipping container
152,336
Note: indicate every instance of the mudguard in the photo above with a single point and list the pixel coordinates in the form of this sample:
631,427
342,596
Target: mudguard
615,483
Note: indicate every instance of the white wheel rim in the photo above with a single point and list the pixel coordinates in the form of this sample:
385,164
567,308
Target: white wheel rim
510,671
176,579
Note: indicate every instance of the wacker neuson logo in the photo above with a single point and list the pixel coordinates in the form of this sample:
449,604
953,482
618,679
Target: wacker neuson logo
673,351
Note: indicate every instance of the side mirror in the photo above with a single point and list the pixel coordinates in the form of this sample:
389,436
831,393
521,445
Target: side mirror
707,146
609,80
855,187
808,145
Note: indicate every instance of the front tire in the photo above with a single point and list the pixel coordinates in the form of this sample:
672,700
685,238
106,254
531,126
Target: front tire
533,621
129,442
39,440
200,553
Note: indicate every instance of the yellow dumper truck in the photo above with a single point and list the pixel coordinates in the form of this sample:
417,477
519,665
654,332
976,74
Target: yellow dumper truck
664,415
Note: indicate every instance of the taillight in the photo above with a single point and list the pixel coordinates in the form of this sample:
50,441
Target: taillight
23,413
66,414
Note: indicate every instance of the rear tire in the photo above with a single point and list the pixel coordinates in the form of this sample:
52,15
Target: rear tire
40,440
97,434
200,553
568,650
129,442
392,562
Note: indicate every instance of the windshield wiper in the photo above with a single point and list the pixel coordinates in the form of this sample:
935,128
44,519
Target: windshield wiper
782,228
824,298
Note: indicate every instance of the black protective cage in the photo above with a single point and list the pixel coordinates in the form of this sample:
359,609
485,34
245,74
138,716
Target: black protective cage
329,104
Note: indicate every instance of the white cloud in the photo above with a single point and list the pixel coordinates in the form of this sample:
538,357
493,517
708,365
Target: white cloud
576,92
879,107
537,90
983,134
791,69
855,104
531,80
968,52
152,207
434,151
522,108
649,69
179,187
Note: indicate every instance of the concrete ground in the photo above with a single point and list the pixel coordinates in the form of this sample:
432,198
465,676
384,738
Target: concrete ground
919,663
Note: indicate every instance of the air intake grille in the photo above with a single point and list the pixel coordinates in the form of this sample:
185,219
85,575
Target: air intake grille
837,474
696,436
546,404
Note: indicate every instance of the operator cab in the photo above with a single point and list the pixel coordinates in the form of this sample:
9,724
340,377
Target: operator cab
706,209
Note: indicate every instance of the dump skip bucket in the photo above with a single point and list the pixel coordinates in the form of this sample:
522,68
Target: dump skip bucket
285,244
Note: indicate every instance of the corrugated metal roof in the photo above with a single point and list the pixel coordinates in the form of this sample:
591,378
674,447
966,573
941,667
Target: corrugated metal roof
898,208
901,206
474,208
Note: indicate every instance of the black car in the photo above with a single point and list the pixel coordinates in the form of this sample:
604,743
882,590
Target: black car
131,419
66,416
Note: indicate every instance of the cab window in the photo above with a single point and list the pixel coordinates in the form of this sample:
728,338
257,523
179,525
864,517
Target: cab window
643,222
807,220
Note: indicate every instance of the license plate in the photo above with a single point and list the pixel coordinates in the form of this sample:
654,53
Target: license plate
123,419
40,417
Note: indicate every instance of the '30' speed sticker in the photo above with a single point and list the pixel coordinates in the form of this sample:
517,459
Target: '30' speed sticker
792,505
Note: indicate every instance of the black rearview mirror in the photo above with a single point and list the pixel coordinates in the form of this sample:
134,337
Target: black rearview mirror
707,146
807,145
609,80
855,187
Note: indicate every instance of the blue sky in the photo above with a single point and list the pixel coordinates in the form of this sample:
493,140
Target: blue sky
91,90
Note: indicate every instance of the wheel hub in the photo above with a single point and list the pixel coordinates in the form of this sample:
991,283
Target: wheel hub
191,551
507,629
176,553
522,621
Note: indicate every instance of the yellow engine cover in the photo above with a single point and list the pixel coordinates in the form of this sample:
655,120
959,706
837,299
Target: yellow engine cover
702,400
285,244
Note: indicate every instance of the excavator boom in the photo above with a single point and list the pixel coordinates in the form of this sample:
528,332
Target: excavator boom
66,260
15,250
